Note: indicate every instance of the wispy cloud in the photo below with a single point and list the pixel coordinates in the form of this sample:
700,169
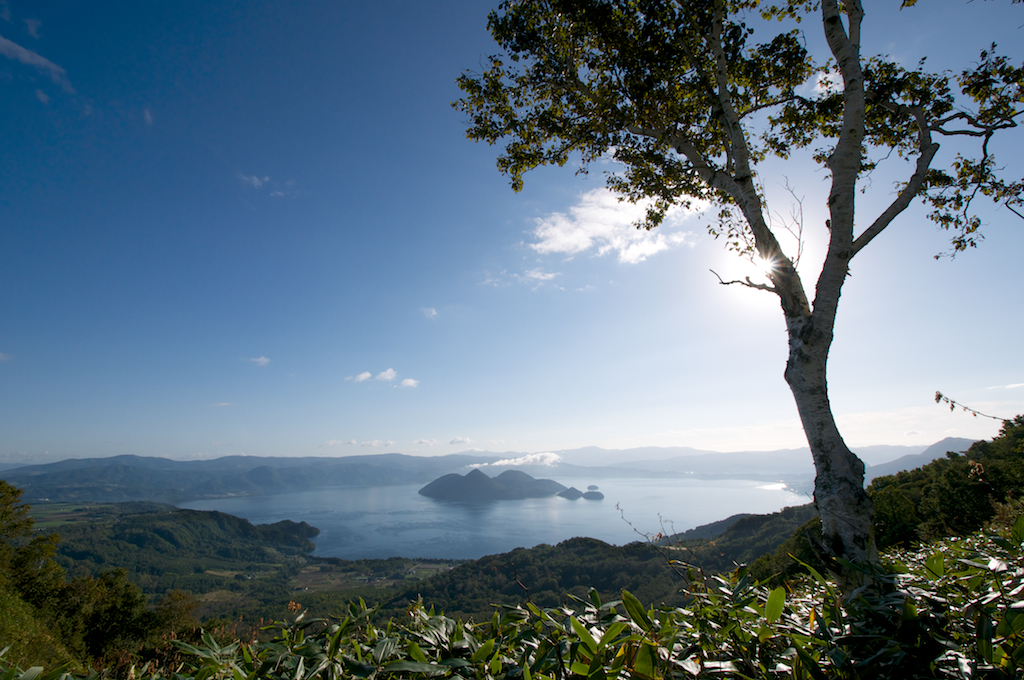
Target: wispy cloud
461,441
377,443
332,442
425,442
547,459
387,375
32,26
272,187
601,222
1012,386
5,11
223,404
539,274
147,115
220,443
5,357
253,181
29,58
365,375
429,312
536,276
42,96
260,361
409,382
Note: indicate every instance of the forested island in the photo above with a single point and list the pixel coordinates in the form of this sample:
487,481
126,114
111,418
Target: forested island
476,487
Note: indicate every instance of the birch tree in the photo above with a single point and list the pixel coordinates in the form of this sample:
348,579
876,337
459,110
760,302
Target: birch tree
690,105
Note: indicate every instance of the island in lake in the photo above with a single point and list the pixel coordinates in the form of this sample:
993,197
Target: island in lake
509,485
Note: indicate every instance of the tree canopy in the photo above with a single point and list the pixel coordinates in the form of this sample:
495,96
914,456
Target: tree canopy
690,102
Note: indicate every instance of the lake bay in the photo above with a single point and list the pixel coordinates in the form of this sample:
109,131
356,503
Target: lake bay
395,521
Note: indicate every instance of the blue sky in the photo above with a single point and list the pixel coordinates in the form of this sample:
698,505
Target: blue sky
258,228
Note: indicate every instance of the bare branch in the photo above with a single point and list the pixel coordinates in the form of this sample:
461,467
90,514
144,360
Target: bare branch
746,283
940,398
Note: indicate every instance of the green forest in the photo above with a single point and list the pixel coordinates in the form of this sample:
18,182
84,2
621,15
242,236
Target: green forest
117,586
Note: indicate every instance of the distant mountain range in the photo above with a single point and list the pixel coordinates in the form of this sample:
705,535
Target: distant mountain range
127,478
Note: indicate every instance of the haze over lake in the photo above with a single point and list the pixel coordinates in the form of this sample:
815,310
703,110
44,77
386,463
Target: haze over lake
388,521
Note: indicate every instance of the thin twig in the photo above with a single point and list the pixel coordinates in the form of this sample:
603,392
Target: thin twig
941,398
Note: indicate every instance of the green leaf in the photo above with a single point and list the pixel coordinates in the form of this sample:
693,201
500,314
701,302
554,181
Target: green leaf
1011,623
612,632
984,636
416,653
483,652
584,635
1017,530
403,666
646,661
773,607
579,668
810,665
935,565
909,610
635,610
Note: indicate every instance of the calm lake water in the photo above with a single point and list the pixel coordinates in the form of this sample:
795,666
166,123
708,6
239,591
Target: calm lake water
390,521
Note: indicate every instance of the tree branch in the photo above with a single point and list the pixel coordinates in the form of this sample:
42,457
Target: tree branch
927,149
747,283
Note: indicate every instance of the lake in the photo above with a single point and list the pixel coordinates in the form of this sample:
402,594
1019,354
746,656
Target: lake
395,521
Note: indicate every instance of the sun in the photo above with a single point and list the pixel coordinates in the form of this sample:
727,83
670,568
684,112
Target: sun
765,265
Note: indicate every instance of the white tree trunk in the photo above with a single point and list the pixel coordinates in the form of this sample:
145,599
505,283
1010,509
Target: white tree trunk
845,509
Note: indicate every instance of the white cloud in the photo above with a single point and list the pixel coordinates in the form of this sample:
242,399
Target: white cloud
5,357
42,96
332,442
463,441
223,403
548,459
220,443
373,443
601,221
1012,386
260,361
29,58
425,442
537,275
32,26
429,312
387,375
253,181
409,382
388,444
147,115
365,375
